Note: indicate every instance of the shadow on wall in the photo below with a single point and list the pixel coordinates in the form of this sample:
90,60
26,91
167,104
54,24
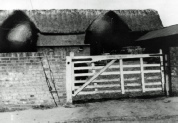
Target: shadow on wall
18,33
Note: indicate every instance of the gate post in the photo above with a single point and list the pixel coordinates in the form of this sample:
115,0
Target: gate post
162,70
69,77
167,69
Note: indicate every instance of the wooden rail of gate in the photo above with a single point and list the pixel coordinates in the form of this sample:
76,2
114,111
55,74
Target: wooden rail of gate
120,82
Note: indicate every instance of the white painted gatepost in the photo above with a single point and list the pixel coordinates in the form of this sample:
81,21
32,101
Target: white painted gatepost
113,74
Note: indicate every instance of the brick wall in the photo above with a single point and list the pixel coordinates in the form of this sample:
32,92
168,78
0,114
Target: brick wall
174,69
22,78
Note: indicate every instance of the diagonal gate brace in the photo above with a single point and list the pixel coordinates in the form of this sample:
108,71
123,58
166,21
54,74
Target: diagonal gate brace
95,76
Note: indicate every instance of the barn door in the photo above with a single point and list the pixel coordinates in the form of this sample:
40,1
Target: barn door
113,74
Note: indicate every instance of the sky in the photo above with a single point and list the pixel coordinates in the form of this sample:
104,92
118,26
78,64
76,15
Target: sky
167,9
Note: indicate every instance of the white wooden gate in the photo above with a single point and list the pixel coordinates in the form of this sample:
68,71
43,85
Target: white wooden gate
113,74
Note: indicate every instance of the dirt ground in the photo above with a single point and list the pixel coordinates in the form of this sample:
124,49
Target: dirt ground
160,109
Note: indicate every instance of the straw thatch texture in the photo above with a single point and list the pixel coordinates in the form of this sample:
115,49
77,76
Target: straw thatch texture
76,21
141,20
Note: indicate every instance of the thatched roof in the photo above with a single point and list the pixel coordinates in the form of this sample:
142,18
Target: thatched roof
76,21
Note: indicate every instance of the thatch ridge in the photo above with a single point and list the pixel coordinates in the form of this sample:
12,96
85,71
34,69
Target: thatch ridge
76,21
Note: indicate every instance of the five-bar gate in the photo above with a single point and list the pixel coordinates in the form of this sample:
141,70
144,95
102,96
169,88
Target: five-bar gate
113,74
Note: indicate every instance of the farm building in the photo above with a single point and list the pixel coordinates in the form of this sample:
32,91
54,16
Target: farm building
166,39
39,77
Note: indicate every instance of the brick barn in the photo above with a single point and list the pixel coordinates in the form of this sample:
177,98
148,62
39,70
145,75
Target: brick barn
38,78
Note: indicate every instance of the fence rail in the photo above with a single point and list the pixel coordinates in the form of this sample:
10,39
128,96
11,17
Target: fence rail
113,74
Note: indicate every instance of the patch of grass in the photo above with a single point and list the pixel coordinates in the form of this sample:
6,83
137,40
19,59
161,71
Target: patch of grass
43,107
11,109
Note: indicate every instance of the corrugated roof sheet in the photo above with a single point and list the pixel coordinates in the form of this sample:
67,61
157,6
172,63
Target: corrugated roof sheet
164,32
